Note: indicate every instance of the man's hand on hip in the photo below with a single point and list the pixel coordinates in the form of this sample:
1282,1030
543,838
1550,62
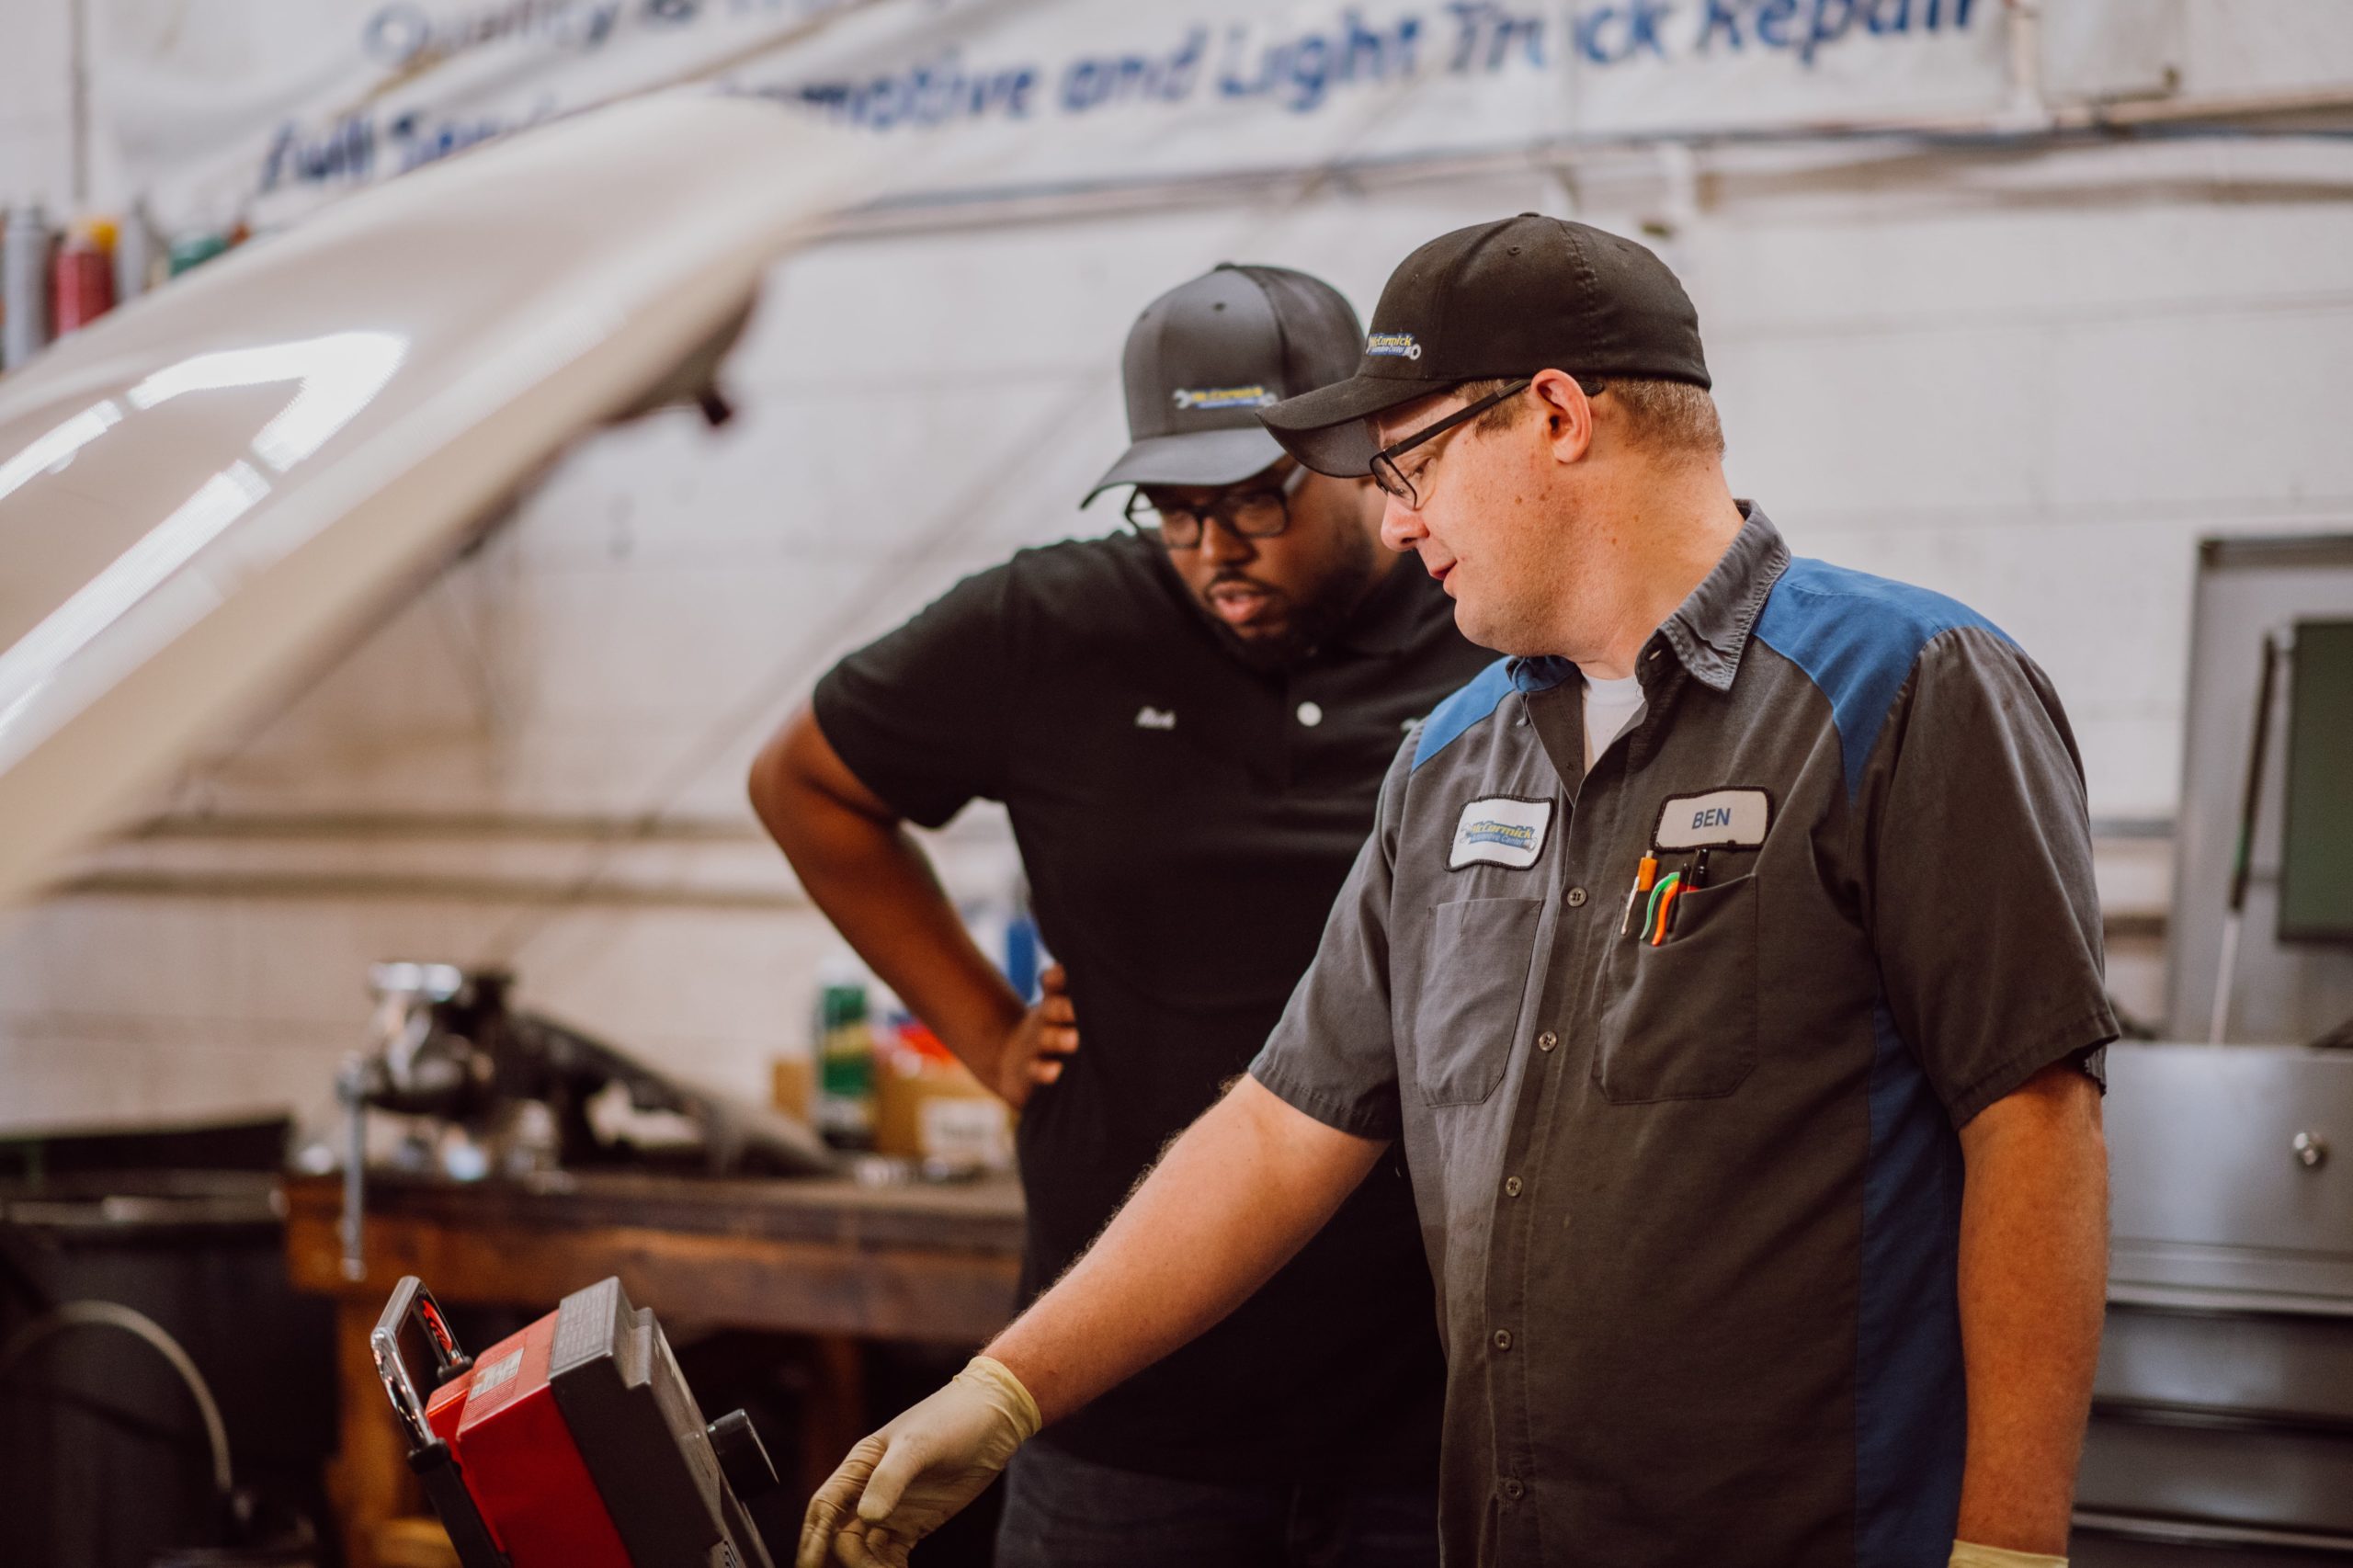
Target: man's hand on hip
907,1480
1040,1045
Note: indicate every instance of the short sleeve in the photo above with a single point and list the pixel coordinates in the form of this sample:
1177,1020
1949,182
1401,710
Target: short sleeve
1332,1054
1981,898
920,714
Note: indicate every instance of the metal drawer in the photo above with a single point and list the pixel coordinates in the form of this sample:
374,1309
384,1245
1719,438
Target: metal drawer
2218,1470
2202,1150
2121,1540
2295,1367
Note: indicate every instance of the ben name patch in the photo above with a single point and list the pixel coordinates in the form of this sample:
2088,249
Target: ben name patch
1500,831
1720,819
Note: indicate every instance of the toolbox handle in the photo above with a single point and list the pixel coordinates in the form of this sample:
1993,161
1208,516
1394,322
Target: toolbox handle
412,1303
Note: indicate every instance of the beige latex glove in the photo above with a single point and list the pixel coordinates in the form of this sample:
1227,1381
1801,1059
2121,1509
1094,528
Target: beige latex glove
907,1480
1968,1554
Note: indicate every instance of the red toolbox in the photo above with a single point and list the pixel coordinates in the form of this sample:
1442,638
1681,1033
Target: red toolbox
573,1444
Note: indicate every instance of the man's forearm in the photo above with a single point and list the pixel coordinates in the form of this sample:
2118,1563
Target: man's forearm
868,875
2033,1286
888,906
1230,1203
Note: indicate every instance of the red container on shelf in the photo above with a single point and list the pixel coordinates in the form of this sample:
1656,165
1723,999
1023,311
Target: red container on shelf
81,285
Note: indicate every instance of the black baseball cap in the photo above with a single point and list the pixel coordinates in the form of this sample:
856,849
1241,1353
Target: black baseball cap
1497,301
1203,359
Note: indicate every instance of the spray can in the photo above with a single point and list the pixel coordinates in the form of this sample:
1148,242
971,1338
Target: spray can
82,286
134,255
844,1051
24,286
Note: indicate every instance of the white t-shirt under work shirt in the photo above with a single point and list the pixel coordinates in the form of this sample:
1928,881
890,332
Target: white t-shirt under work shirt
1609,707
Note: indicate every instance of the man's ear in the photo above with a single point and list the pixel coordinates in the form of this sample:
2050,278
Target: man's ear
1567,413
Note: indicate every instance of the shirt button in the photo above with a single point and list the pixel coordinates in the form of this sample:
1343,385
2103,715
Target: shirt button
1513,1489
1576,897
1511,1186
1502,1339
1547,1040
1311,714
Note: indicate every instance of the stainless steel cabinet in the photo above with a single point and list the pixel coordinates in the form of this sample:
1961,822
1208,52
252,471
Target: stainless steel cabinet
2222,1418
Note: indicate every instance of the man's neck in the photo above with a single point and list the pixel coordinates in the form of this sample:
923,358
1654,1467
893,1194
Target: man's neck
1655,550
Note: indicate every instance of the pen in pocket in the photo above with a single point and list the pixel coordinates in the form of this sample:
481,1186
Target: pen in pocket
1645,875
1692,878
1661,907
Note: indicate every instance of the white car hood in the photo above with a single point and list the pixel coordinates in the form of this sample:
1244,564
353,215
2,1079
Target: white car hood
209,491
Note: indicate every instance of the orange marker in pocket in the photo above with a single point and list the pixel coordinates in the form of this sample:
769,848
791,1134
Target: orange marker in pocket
1645,875
1669,894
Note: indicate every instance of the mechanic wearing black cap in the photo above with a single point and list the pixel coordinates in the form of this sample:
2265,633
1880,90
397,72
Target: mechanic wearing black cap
1188,722
1744,1048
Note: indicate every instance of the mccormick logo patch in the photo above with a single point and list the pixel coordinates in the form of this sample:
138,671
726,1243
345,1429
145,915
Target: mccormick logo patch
1251,396
1500,831
1394,346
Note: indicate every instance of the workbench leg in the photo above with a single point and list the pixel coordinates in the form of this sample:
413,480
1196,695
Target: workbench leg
369,1480
834,1419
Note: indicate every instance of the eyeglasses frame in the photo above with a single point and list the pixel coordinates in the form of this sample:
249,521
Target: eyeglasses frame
1283,490
1393,479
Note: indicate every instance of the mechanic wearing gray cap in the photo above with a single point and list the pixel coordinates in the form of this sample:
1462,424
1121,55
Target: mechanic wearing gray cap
1725,960
1188,722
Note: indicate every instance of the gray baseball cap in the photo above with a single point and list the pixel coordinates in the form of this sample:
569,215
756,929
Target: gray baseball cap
1202,360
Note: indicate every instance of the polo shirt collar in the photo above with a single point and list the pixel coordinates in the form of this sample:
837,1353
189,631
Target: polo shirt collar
1709,630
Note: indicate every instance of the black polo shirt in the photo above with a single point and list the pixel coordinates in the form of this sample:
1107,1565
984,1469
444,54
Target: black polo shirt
1694,1202
1186,822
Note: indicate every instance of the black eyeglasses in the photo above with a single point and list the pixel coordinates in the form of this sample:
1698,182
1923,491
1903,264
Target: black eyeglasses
1261,513
1396,482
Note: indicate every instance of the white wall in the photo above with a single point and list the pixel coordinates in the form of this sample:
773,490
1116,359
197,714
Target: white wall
36,103
2029,381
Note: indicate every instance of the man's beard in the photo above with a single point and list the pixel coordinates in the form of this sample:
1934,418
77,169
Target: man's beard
1312,622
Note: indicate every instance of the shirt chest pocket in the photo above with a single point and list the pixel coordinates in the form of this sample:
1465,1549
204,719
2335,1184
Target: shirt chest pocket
1474,970
1678,1021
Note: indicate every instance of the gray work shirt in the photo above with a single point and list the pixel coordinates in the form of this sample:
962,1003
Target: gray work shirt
1693,1205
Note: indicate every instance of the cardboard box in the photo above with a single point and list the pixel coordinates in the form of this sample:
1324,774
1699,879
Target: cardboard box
927,1105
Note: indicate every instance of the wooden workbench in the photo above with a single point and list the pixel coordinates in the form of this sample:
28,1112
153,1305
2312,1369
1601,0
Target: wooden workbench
821,1257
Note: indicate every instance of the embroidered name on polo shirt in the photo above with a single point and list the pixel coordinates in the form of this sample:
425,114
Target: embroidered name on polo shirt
1500,831
1720,819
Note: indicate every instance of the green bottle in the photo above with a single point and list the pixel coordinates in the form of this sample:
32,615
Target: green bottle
845,1050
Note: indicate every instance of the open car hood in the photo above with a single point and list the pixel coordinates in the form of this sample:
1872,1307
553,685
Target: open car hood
207,493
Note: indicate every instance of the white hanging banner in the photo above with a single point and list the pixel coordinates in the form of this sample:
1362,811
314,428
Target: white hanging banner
259,108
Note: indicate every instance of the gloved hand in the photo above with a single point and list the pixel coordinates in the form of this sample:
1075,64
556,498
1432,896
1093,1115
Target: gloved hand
1968,1554
905,1481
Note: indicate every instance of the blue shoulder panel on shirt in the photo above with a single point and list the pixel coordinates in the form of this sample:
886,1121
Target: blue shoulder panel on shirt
1467,705
1856,638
